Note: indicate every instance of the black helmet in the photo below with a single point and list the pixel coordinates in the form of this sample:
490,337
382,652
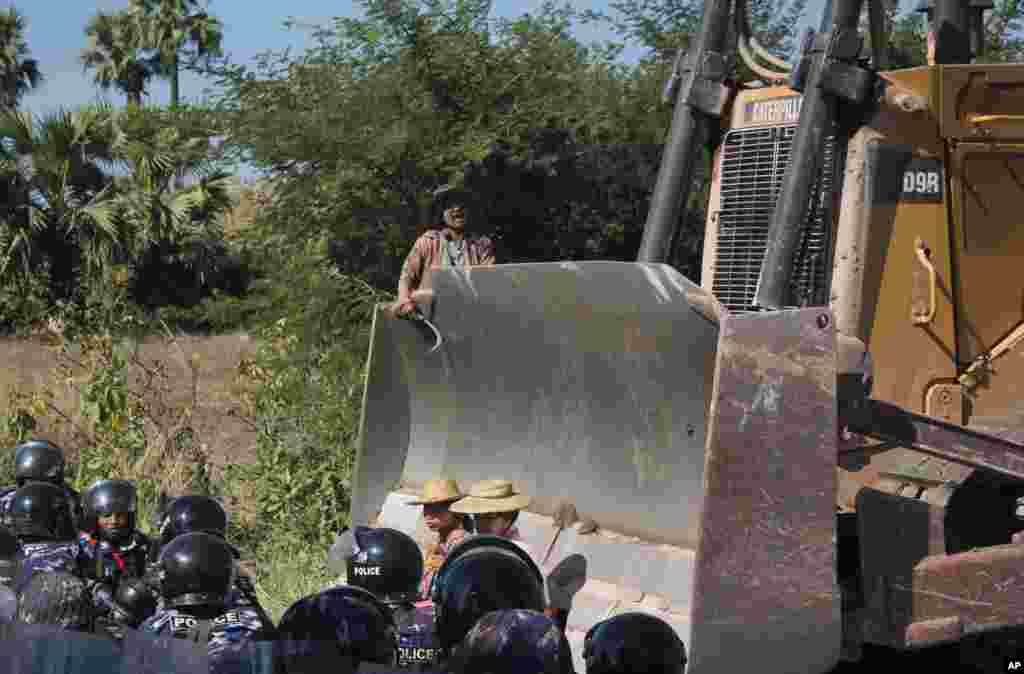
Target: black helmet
634,642
41,510
192,513
514,641
340,626
134,601
480,575
38,460
196,569
104,498
387,563
56,598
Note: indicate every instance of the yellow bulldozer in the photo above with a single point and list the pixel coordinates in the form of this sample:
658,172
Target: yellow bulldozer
816,452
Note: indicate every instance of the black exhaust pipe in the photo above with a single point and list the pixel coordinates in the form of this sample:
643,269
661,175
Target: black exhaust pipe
817,119
950,28
699,103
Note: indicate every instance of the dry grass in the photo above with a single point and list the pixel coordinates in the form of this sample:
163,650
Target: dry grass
29,366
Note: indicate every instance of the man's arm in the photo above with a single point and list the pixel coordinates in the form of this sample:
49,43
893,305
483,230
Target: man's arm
411,276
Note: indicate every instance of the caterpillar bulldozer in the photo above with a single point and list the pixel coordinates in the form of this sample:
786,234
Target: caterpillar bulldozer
815,453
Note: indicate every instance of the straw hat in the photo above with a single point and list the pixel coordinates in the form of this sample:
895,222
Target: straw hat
438,491
491,496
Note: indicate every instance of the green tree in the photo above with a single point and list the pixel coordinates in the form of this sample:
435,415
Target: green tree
18,72
88,194
665,26
171,230
1004,35
180,33
114,55
58,218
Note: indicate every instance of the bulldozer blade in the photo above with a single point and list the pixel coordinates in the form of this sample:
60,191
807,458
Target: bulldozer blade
766,597
580,381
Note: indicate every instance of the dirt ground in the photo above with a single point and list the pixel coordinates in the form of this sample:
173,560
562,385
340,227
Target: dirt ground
28,364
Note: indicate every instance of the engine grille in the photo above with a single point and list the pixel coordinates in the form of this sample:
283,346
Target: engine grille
753,165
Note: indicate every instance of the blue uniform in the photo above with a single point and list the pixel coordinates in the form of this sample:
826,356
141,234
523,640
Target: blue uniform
43,557
229,635
103,561
418,647
103,564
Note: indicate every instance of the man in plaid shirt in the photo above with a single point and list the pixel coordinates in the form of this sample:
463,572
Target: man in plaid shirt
450,246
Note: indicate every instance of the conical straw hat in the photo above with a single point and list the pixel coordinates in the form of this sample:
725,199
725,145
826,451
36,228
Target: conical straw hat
491,496
438,491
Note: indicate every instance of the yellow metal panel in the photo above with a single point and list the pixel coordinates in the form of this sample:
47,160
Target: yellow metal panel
989,238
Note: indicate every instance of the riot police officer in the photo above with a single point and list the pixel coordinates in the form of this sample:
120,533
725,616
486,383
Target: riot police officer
40,516
188,514
514,641
389,564
37,461
110,548
633,642
336,631
195,574
198,513
480,575
49,607
58,598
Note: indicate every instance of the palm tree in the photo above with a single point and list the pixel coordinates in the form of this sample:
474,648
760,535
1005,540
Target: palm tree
172,228
60,213
18,73
114,54
180,32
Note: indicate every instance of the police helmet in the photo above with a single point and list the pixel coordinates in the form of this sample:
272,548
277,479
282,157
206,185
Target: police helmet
387,563
41,510
341,626
10,550
56,598
515,641
106,497
480,575
633,642
192,513
38,461
196,569
133,601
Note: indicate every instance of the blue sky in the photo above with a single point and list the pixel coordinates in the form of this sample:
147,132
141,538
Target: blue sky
55,36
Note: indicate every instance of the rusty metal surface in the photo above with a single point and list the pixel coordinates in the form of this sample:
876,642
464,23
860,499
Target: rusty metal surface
947,441
983,589
894,533
766,597
585,381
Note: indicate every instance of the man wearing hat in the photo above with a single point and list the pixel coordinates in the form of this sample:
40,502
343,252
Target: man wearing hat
437,496
494,506
448,246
